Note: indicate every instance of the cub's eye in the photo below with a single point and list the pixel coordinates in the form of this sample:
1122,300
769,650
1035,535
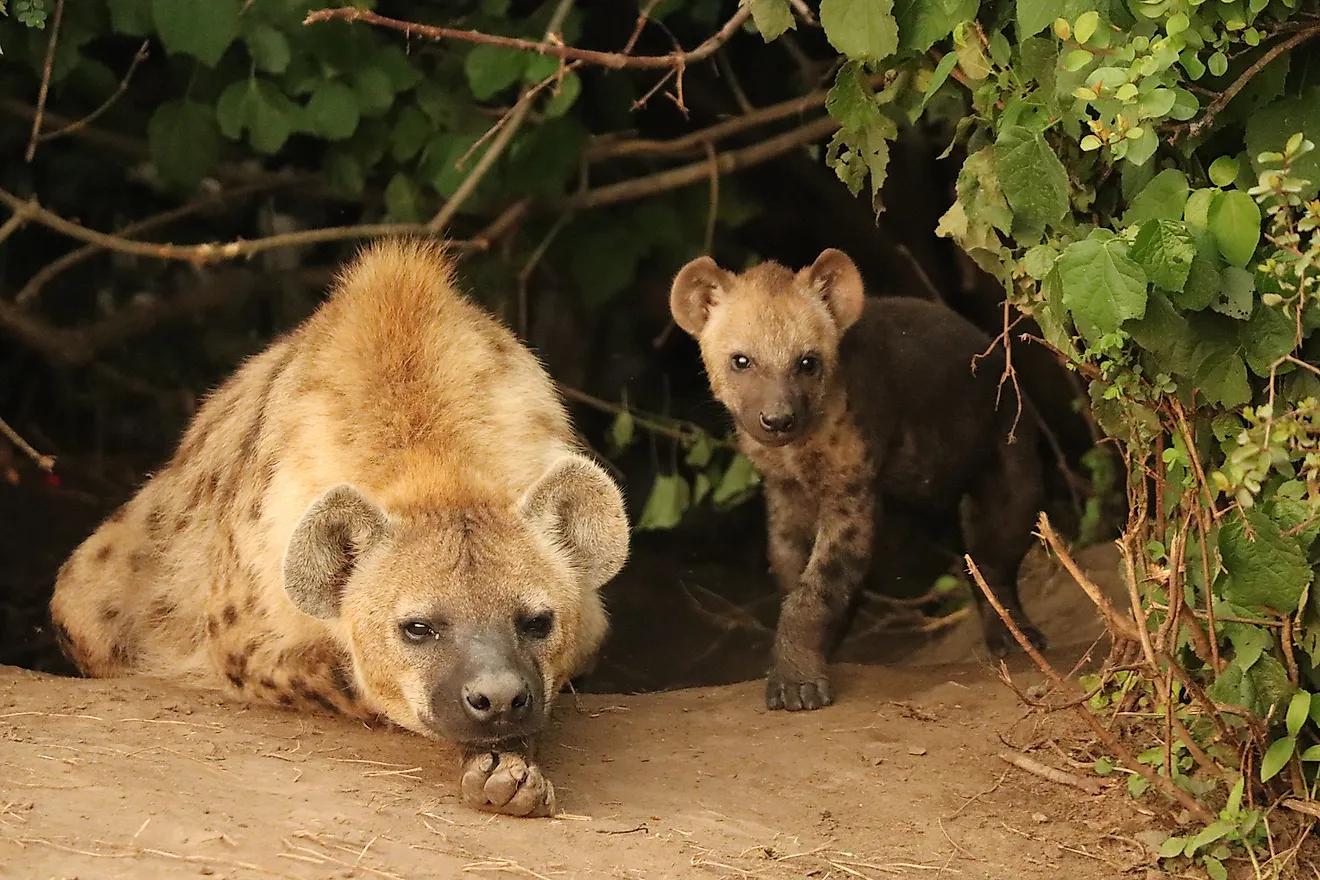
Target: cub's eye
417,630
740,361
808,365
537,626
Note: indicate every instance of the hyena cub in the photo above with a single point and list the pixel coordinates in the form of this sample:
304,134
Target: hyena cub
384,514
845,402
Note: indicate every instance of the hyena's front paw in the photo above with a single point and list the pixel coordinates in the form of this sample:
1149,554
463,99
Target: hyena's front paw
503,782
793,693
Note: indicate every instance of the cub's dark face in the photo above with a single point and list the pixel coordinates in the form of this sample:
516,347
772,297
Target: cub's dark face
769,338
464,621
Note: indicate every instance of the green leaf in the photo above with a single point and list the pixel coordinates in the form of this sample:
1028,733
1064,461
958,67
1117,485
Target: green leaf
1165,250
979,191
131,17
492,69
1234,221
373,91
1271,570
1249,642
1104,766
1312,754
260,107
772,18
736,484
410,132
1235,295
203,29
1235,796
184,140
1102,286
1277,757
1161,199
669,500
860,28
1086,24
1203,281
333,111
850,100
1164,334
1033,16
1032,177
1223,170
939,77
1269,128
564,94
1218,371
1039,260
268,47
403,199
1299,709
923,23
1137,785
1172,847
1214,868
700,454
622,431
343,172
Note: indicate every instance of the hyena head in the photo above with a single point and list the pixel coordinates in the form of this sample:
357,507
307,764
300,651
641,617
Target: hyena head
769,337
464,621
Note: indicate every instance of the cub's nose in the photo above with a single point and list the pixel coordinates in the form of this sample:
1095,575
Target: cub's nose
778,424
502,696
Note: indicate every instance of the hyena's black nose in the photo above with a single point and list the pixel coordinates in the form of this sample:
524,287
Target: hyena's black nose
777,424
497,696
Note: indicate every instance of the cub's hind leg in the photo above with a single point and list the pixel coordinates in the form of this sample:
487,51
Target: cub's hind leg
997,517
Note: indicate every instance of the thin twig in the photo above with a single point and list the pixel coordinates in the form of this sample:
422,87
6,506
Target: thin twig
78,125
17,219
211,252
1194,129
45,462
1106,736
45,81
508,128
611,60
44,275
1053,774
1119,624
675,178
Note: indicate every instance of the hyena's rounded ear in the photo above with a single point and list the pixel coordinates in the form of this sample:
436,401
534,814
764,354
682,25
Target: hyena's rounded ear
578,507
332,535
835,277
693,292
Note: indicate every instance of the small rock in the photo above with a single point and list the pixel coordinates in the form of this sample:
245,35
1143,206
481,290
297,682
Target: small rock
207,871
873,755
1039,817
916,750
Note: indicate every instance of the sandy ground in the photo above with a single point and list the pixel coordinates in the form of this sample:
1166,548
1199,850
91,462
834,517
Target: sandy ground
901,778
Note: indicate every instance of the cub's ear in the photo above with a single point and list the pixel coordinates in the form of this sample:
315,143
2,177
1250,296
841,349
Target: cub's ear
694,291
835,278
335,531
578,506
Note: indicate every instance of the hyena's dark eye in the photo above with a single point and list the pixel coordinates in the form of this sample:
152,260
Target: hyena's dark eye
740,361
537,626
417,630
808,365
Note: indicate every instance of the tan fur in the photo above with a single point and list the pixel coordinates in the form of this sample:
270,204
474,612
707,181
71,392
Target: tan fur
429,409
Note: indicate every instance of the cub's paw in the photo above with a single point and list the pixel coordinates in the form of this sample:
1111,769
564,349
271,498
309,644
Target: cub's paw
1000,641
784,692
503,782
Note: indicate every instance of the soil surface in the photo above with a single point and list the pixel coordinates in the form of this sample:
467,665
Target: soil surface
129,778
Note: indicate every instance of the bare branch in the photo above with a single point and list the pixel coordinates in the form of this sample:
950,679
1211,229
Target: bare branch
211,252
45,81
45,462
508,128
79,125
727,163
1221,101
611,60
43,276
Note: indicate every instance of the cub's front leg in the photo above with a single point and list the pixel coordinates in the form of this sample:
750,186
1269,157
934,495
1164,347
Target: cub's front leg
507,782
816,603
